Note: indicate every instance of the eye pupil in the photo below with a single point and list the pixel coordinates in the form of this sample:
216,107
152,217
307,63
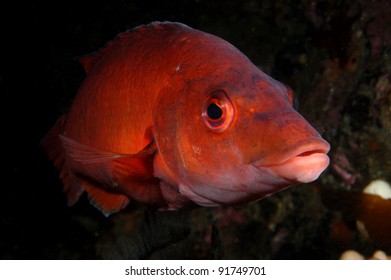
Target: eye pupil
217,112
214,111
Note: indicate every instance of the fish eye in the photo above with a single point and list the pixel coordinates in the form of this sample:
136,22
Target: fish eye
218,112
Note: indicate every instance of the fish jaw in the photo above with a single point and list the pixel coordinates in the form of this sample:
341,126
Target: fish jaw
244,182
302,169
252,182
303,164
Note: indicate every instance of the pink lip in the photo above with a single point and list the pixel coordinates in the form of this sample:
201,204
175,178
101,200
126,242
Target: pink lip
302,169
302,164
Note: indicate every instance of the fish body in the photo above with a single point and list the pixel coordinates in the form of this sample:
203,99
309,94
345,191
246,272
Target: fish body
176,118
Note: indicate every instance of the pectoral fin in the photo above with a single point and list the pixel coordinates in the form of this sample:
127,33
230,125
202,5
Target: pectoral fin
108,167
107,175
107,202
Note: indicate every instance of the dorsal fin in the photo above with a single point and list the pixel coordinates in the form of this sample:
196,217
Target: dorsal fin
89,60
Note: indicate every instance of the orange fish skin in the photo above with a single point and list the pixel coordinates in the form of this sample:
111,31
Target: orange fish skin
176,118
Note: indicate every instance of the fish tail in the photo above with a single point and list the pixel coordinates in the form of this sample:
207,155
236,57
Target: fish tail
52,145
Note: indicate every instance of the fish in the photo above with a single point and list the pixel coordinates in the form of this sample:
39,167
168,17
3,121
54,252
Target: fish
176,118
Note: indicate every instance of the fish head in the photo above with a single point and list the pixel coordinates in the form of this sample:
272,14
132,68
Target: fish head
235,136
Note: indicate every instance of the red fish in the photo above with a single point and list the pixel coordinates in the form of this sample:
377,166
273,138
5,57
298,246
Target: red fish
176,118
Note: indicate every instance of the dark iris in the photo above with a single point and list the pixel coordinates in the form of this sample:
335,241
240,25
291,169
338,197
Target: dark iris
214,111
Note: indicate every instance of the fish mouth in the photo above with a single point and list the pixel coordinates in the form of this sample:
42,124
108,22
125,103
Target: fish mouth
303,163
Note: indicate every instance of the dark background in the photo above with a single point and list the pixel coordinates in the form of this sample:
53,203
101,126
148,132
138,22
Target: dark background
312,46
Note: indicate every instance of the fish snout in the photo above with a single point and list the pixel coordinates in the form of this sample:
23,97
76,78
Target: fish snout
303,163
